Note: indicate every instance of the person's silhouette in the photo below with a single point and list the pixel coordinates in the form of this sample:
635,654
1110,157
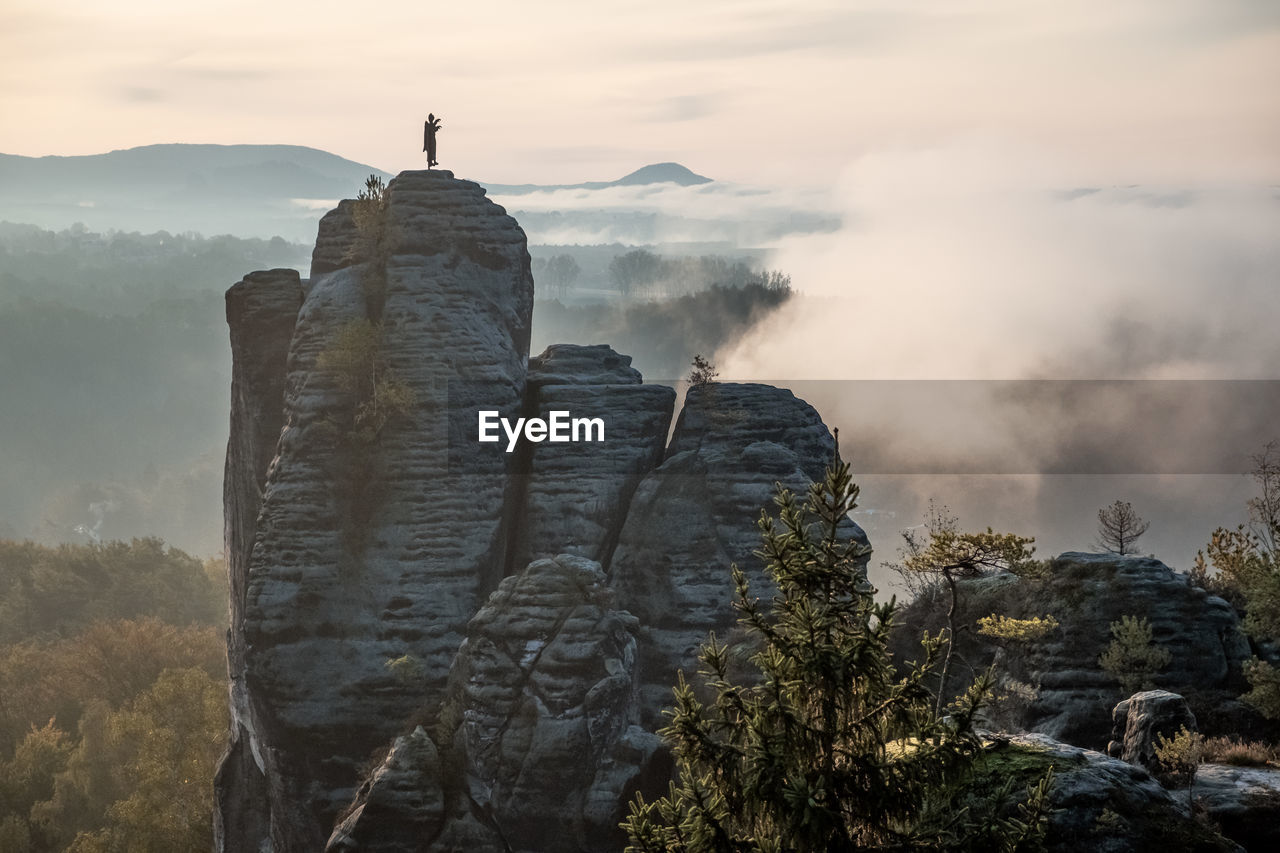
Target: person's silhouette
429,130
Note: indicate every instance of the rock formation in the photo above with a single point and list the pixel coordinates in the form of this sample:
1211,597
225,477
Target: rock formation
577,493
362,554
1137,723
440,645
544,693
360,558
1086,593
691,518
539,727
1102,804
261,311
336,240
1244,801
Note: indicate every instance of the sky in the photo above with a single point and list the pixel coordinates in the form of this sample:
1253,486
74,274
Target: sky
764,93
1026,189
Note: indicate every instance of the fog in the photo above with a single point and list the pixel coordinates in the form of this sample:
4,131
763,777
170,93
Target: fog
719,212
985,261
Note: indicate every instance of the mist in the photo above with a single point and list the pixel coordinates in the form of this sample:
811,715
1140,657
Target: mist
732,214
981,260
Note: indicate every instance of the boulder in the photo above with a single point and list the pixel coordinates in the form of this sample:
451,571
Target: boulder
544,691
1099,803
401,803
1243,801
1139,721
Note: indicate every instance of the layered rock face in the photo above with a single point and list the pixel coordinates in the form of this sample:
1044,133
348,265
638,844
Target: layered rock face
578,493
539,727
363,555
336,241
1086,593
692,518
261,311
437,645
545,690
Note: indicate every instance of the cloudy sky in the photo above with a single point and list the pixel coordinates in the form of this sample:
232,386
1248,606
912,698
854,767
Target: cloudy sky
1027,189
754,92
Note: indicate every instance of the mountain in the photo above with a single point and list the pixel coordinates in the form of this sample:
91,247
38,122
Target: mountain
655,173
247,190
160,171
663,173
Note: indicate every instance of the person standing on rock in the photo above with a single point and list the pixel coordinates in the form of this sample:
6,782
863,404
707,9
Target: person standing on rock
429,129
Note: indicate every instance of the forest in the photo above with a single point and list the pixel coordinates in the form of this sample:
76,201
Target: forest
113,712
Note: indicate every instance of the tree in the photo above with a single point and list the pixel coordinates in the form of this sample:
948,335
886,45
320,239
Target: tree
634,270
561,271
1180,756
368,212
1013,637
1133,658
359,367
161,750
830,750
369,204
945,556
1264,510
704,372
1246,570
1009,630
1119,528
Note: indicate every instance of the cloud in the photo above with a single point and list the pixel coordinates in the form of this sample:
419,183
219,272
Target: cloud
970,261
687,107
141,94
667,213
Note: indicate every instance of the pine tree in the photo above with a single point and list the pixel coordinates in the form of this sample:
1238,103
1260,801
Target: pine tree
1119,528
830,750
1133,658
944,556
703,372
1247,573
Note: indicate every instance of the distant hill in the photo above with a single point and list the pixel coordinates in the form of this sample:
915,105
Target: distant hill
656,173
247,190
222,170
